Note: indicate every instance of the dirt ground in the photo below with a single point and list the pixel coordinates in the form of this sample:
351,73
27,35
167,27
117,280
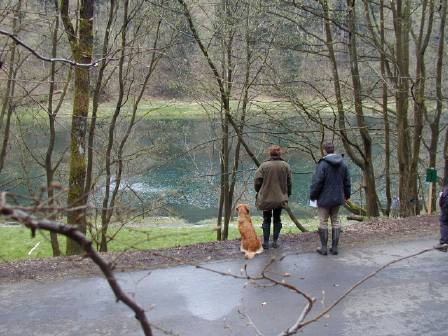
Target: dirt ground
378,230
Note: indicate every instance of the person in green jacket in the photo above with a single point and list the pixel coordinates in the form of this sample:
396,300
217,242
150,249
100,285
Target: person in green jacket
273,186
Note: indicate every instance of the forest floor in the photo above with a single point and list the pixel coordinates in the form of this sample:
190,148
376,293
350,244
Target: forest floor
364,233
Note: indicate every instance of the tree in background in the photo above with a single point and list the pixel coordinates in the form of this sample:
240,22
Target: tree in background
134,73
81,40
8,105
434,119
236,67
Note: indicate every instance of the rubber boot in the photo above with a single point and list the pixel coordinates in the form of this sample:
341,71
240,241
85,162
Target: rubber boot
266,233
277,228
442,247
443,243
335,233
323,235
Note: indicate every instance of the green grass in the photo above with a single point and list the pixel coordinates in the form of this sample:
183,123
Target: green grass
171,110
177,109
17,243
159,109
148,109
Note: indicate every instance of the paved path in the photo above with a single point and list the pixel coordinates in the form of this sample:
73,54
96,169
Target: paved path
408,298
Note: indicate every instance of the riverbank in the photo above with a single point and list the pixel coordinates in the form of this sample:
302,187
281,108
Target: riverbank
136,235
371,232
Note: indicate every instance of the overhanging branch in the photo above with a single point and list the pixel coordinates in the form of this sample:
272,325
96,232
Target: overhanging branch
73,233
47,59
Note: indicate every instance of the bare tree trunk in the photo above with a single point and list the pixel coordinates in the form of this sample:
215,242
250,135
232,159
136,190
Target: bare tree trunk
337,84
385,111
435,123
109,199
96,97
362,157
81,46
7,103
225,153
445,156
106,210
51,142
419,99
245,101
401,18
368,170
228,80
221,198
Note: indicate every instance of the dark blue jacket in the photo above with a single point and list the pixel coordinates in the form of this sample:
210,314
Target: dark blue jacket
443,203
331,184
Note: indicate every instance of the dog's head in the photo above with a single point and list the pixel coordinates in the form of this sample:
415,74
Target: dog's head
242,209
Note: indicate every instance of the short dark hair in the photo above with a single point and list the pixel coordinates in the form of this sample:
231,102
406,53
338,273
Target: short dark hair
275,150
329,147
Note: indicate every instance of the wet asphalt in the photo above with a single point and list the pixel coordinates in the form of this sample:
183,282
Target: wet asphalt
407,298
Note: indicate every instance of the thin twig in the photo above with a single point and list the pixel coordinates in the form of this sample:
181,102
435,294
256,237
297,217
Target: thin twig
247,317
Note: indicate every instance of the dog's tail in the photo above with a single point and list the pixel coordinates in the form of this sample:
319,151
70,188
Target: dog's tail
249,255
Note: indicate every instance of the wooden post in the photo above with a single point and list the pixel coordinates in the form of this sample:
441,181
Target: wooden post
431,186
431,177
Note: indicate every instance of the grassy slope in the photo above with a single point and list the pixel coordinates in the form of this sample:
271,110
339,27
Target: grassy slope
17,242
149,109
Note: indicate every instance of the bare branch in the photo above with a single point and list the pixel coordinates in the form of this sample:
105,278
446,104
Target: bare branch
73,233
47,59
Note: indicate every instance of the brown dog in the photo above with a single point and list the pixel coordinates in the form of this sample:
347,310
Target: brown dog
250,244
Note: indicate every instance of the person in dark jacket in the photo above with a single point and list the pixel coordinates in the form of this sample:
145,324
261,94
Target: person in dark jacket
273,186
443,219
330,187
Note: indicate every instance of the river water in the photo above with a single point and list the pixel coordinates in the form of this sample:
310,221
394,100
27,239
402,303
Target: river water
176,172
186,175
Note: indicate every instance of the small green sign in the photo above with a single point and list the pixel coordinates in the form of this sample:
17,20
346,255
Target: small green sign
431,175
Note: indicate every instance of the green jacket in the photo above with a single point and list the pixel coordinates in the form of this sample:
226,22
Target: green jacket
273,184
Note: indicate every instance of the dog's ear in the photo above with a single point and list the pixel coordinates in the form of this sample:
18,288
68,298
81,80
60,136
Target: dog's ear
247,208
238,208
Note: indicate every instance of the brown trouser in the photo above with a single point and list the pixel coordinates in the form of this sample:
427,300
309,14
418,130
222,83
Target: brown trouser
333,214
